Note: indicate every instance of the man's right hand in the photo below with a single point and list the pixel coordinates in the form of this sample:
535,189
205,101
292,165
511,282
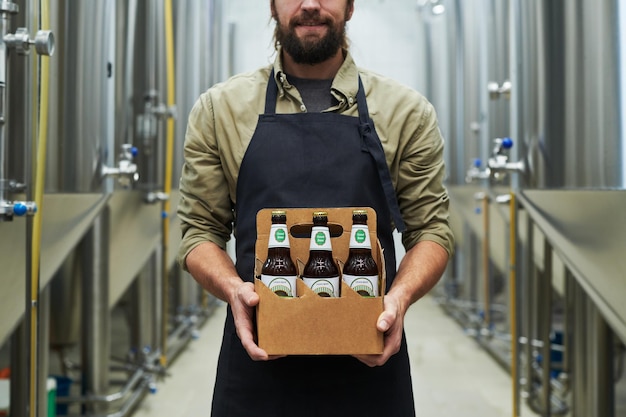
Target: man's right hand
215,271
243,303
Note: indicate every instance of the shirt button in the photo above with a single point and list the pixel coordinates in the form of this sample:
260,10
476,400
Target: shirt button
303,108
351,100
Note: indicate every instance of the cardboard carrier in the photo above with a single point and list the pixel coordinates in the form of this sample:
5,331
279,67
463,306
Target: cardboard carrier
309,324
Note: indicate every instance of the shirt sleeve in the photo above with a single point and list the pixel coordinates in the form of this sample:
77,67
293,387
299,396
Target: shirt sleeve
205,208
422,196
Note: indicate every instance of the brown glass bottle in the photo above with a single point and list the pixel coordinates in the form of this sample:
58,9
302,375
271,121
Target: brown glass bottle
321,273
279,273
361,271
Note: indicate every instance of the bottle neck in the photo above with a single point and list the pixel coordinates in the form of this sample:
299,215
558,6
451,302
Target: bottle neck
360,237
279,237
320,239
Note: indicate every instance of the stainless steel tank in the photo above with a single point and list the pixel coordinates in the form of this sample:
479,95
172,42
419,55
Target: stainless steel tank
467,44
199,65
81,134
81,138
569,95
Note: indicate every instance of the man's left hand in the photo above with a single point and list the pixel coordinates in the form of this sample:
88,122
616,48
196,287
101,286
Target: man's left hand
390,322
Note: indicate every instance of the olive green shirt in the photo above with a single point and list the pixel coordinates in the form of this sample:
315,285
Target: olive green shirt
224,119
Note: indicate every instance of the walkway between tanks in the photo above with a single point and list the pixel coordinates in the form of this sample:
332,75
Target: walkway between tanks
452,375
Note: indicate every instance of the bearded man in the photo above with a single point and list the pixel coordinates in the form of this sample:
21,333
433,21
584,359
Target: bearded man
312,130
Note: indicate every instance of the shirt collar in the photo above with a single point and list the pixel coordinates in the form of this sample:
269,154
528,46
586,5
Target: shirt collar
344,87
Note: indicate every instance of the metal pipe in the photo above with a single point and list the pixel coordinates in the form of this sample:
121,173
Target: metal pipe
568,328
545,325
527,302
485,260
513,303
4,183
600,384
580,353
96,317
134,381
145,312
43,357
19,371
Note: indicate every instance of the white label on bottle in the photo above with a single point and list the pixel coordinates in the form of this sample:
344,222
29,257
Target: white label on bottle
324,287
320,239
360,237
282,286
366,286
279,238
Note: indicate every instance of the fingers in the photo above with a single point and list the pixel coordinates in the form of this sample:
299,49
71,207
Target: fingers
385,321
392,340
247,295
391,323
243,315
255,352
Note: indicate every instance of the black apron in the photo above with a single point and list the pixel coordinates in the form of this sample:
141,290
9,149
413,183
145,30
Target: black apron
311,160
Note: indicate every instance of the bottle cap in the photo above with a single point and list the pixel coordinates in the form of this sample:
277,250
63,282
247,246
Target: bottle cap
359,212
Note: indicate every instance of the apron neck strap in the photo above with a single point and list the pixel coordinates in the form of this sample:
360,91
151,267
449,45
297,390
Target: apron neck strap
271,95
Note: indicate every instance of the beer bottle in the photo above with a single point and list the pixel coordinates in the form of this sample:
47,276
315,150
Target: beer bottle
279,273
360,271
321,273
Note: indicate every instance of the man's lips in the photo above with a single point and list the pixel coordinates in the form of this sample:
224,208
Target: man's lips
311,23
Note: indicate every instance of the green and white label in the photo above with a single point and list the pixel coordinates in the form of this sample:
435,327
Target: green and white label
360,237
282,286
320,239
367,286
324,287
279,238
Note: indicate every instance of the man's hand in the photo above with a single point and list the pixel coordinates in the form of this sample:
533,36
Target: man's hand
215,272
390,322
419,271
242,304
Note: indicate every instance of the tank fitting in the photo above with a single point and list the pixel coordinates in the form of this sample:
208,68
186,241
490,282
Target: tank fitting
20,40
499,163
126,170
496,90
476,173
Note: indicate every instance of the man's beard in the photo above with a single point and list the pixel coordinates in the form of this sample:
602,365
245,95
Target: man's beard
315,51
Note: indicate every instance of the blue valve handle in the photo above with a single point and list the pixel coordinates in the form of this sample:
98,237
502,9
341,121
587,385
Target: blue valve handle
507,143
477,163
20,209
134,151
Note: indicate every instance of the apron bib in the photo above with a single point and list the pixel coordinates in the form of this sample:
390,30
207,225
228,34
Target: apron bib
311,160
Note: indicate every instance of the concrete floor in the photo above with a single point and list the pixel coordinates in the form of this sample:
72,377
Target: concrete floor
452,375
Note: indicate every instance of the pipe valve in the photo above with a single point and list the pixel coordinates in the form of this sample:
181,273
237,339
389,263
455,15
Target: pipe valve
126,170
156,196
8,209
476,173
20,40
499,162
496,90
147,122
